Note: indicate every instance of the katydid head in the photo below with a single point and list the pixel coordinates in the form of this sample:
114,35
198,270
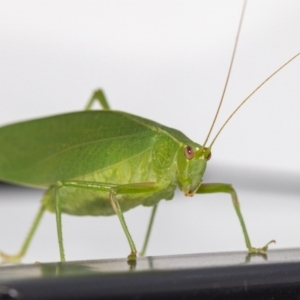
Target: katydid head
191,165
192,159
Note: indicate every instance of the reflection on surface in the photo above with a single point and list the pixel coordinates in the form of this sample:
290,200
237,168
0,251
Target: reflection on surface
159,263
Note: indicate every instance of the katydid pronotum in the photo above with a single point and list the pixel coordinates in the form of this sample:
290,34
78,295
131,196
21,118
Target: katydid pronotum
151,147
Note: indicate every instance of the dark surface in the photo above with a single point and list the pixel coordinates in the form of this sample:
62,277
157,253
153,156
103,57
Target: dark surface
204,276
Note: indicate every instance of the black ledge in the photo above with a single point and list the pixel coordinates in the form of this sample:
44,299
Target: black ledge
235,275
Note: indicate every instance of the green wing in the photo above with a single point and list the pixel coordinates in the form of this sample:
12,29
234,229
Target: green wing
42,151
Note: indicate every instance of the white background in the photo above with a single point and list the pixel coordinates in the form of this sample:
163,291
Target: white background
167,61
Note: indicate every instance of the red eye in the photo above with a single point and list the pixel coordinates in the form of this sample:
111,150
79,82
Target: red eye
189,152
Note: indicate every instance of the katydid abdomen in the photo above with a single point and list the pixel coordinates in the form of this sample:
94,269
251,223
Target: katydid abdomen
139,169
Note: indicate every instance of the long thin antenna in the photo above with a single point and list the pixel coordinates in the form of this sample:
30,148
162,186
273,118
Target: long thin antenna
247,98
229,72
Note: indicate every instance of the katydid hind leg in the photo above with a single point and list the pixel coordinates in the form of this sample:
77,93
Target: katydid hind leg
113,190
97,96
17,257
210,188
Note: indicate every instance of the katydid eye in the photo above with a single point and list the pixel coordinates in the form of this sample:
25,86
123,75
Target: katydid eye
189,152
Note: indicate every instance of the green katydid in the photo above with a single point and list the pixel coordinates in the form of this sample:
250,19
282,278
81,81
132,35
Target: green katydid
115,162
131,161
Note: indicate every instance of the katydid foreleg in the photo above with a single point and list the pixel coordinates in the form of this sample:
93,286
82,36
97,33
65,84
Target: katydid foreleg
210,188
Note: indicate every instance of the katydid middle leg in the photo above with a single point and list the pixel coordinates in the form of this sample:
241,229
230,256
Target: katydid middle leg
149,229
113,190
